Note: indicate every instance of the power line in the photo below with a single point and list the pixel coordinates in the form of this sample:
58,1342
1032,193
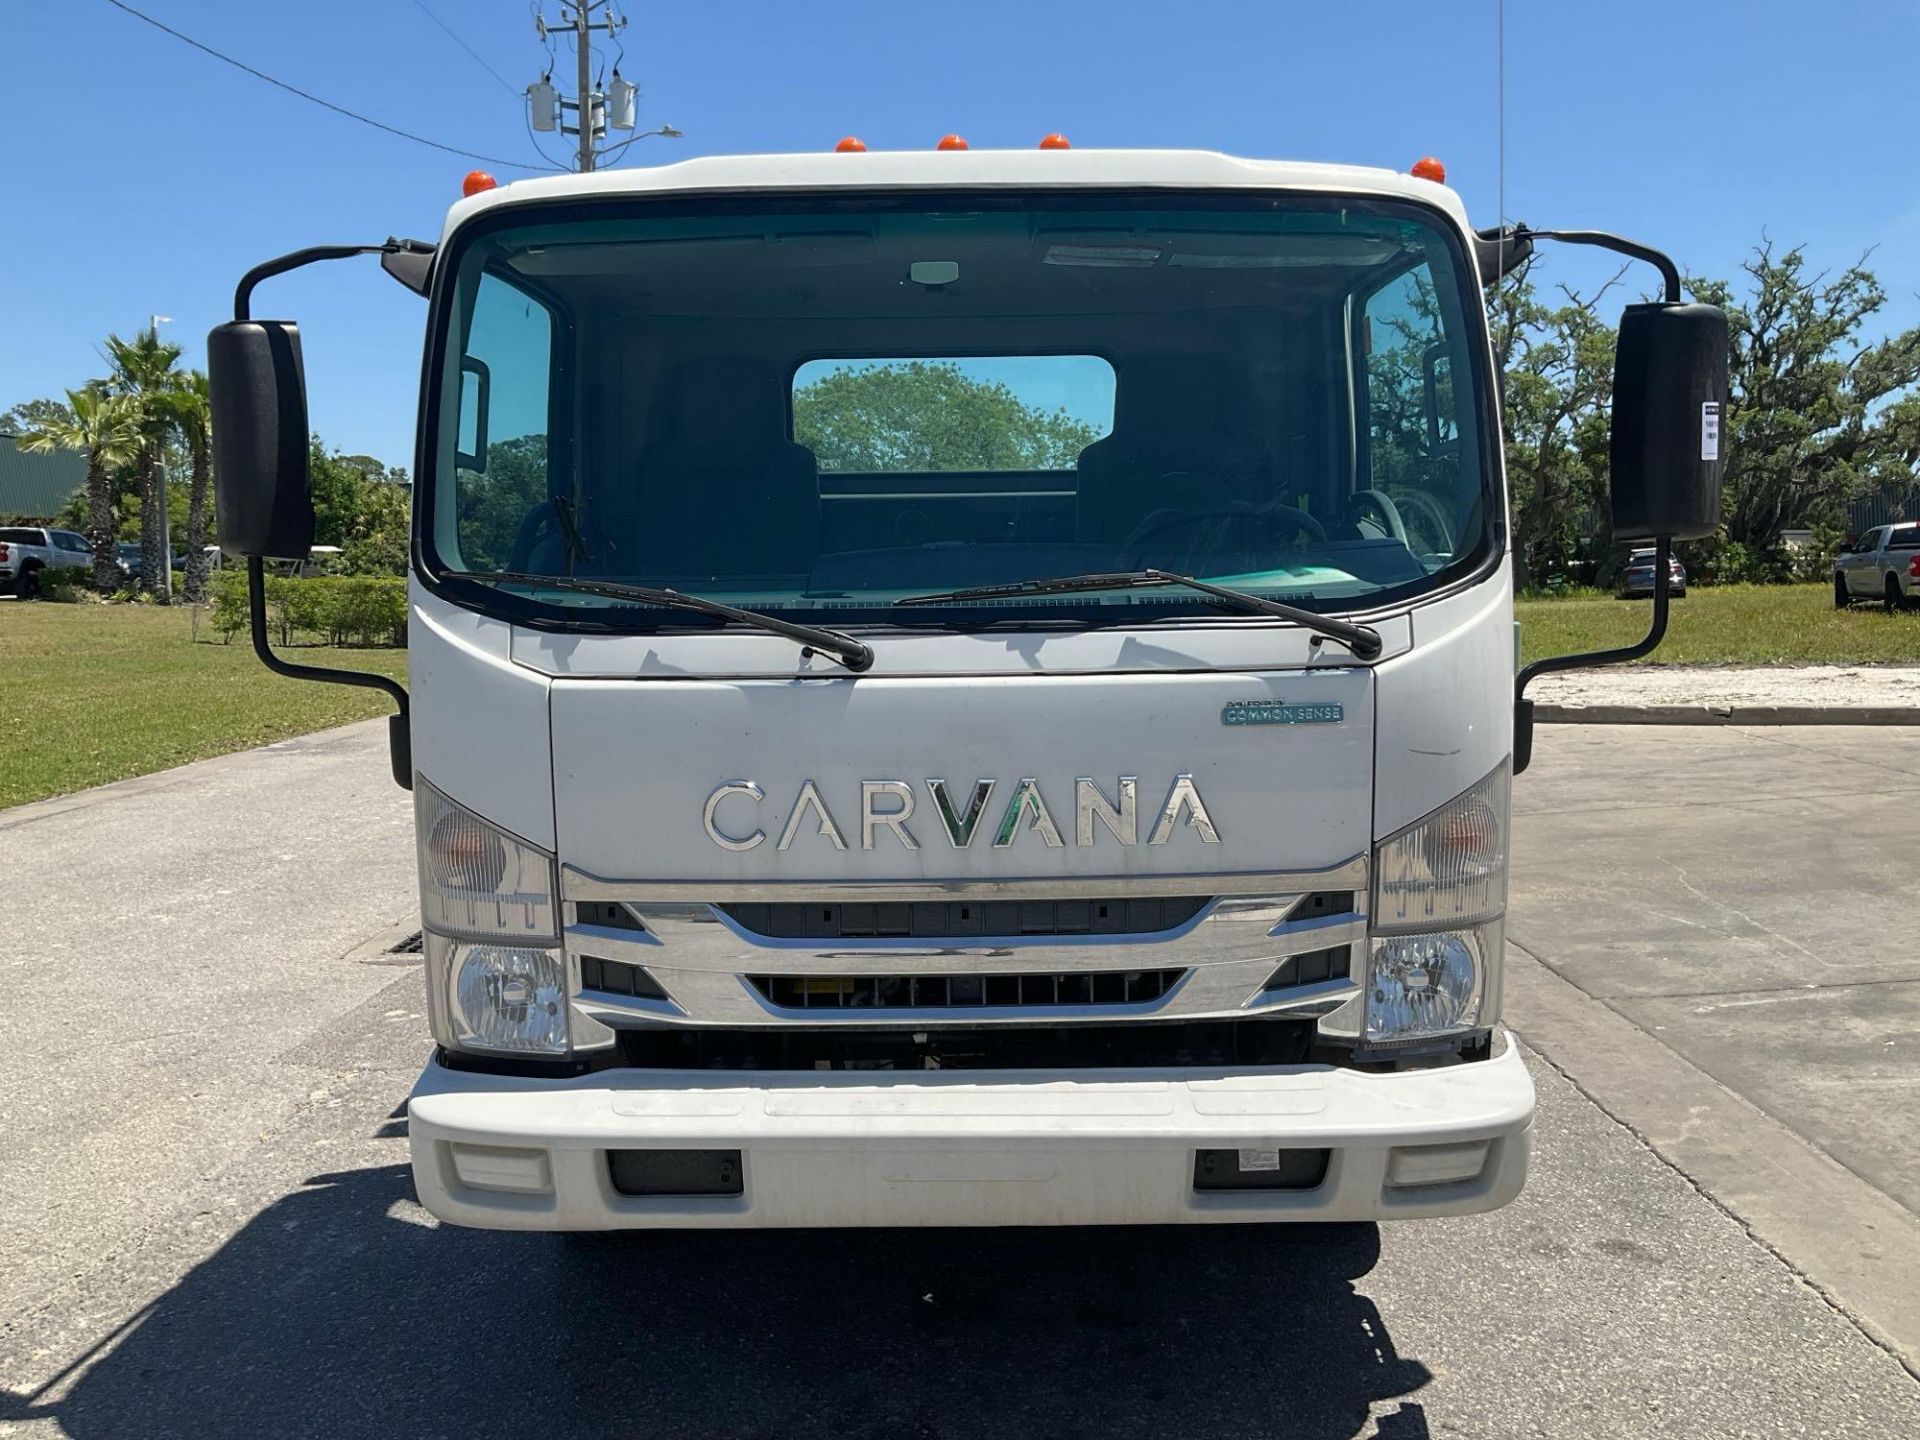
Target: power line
323,104
505,84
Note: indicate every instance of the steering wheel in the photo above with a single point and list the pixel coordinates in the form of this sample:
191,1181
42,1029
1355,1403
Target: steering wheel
1160,521
1382,505
534,526
1439,522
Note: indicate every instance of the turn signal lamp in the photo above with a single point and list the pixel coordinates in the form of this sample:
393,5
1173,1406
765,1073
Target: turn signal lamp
951,142
850,145
1428,168
1055,141
476,181
477,881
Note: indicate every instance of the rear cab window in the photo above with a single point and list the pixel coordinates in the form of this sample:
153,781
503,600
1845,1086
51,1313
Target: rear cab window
949,451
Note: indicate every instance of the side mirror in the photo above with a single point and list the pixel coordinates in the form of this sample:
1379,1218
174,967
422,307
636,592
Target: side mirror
258,391
1669,402
470,450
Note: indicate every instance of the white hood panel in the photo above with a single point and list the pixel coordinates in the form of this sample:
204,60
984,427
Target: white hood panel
636,763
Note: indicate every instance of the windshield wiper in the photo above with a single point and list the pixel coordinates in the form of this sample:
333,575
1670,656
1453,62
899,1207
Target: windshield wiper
1363,640
850,652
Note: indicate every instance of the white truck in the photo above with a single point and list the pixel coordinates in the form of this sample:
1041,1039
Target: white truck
28,551
963,688
1883,564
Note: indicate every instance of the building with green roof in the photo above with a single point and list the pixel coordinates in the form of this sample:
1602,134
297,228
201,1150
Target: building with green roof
34,489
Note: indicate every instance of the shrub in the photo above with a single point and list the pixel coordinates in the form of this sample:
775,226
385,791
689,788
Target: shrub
329,609
1736,563
65,582
1814,562
229,589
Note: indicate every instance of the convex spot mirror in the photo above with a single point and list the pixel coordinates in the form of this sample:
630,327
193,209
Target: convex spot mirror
262,486
1669,414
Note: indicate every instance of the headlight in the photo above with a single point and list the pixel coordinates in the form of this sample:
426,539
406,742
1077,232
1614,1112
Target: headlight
1419,986
508,999
1437,922
477,881
496,976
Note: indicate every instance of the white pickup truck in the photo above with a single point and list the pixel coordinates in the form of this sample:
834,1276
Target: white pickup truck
1883,564
27,550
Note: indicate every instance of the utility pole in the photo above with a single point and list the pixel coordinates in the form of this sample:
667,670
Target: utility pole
588,107
594,111
162,584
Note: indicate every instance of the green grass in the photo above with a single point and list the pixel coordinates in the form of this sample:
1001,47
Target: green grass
92,693
1728,625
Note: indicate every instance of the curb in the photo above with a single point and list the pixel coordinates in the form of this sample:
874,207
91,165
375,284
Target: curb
1547,714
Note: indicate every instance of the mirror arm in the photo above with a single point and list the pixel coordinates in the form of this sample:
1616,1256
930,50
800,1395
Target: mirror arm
1522,239
1523,707
295,259
399,734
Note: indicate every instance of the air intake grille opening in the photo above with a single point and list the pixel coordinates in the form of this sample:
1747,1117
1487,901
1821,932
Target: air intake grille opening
614,978
1321,903
947,919
1312,968
607,914
949,992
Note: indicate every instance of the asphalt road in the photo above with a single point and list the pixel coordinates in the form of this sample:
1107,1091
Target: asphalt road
207,1229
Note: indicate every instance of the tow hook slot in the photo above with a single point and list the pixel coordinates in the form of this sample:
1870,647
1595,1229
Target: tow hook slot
675,1172
1259,1169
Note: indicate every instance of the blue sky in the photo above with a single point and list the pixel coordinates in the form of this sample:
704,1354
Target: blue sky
143,176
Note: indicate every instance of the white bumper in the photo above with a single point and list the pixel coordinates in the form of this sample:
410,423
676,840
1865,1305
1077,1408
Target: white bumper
969,1148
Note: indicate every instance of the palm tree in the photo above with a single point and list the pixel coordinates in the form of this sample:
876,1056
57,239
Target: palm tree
106,428
192,414
143,372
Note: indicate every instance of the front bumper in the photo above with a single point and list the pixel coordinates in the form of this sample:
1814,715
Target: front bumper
968,1148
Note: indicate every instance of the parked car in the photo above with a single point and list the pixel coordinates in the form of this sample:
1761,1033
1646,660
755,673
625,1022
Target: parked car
1883,564
128,559
26,550
1636,582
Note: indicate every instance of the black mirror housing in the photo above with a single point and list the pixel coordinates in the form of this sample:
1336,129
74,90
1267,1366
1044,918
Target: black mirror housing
263,486
1669,409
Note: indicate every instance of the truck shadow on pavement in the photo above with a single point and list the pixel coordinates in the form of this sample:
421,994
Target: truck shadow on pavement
334,1312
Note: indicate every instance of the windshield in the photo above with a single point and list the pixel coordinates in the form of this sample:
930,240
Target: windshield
818,406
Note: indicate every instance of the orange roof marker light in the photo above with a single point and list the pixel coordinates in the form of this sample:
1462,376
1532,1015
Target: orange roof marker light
850,145
951,142
1055,141
1428,168
476,181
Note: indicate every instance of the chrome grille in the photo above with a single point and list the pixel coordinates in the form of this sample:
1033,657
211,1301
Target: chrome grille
929,955
952,919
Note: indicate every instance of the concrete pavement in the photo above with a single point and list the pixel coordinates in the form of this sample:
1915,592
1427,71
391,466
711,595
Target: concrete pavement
1744,895
1714,945
208,1228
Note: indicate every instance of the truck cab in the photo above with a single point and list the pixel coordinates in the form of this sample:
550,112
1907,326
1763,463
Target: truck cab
960,688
